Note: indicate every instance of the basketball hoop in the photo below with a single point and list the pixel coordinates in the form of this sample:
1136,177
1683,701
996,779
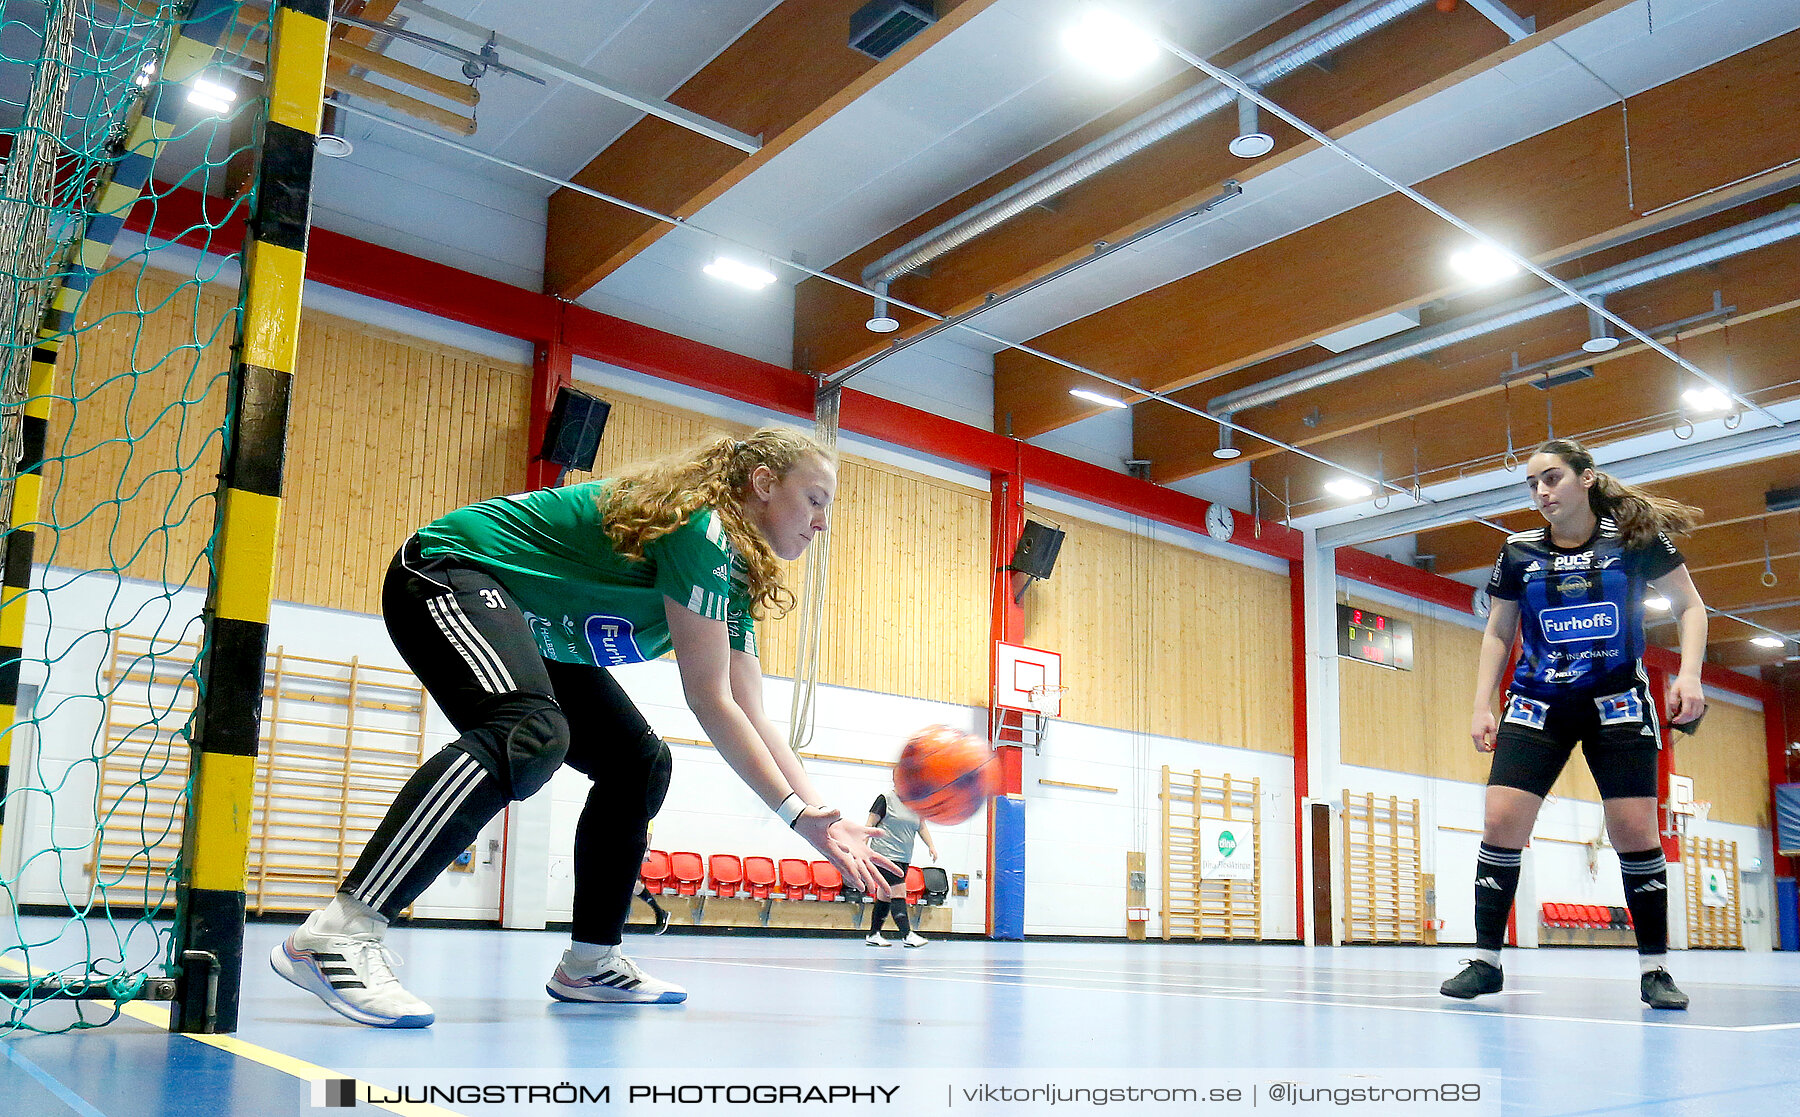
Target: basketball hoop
1699,809
1046,699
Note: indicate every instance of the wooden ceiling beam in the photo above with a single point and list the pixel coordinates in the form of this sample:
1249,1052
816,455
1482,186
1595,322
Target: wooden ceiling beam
1757,285
1636,394
1472,546
1362,85
782,78
1547,196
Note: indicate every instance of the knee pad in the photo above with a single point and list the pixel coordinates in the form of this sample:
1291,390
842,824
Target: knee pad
662,767
534,739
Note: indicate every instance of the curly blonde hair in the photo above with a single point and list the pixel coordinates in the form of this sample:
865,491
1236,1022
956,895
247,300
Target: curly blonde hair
1640,514
650,500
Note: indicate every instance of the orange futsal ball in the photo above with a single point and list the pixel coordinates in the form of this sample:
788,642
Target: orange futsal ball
945,774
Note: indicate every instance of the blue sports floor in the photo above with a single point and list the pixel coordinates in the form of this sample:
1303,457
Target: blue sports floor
1569,1035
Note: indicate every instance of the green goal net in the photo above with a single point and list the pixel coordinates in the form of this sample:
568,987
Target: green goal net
119,126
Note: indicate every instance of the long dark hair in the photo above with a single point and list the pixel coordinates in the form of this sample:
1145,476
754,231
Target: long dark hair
1639,513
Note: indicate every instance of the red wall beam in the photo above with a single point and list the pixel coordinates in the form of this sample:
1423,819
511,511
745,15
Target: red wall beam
404,280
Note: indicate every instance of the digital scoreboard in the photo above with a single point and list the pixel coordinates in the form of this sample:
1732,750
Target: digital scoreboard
1374,638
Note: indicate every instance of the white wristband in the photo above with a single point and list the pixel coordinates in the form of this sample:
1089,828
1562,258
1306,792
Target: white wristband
791,808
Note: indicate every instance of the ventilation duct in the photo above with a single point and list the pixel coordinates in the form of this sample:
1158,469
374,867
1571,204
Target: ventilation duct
882,27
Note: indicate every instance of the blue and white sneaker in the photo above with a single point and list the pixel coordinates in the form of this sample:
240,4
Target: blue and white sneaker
614,978
352,973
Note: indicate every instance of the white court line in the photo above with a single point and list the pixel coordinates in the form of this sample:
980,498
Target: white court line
914,975
1420,996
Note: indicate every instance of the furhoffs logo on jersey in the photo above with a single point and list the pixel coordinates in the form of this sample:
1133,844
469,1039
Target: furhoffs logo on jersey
612,640
1572,624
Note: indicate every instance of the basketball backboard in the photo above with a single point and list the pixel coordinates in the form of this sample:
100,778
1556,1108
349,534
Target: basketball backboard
1017,670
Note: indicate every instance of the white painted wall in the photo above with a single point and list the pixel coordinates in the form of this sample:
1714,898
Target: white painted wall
65,626
1076,839
1560,866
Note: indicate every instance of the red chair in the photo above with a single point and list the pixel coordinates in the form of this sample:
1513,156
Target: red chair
796,878
655,871
1547,914
725,874
827,882
688,872
759,877
915,885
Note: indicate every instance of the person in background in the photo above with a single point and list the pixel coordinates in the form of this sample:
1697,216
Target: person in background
1574,590
897,828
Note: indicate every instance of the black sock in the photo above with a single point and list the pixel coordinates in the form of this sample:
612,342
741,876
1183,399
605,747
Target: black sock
881,914
901,923
1647,896
1496,883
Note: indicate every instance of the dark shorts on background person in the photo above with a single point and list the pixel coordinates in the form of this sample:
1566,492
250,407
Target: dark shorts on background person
1618,732
893,878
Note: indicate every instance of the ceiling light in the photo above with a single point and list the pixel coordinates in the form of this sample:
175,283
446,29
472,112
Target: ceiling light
211,96
1600,336
736,271
881,322
1482,264
1657,603
333,146
1251,142
1348,489
1706,398
1226,450
1096,397
1767,641
1110,43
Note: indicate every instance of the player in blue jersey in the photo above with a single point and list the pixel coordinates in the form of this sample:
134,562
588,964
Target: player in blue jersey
1574,591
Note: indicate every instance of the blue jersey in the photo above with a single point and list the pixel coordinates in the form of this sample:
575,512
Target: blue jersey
1581,609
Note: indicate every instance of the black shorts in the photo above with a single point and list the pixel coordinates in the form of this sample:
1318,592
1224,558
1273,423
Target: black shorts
1618,733
893,878
465,638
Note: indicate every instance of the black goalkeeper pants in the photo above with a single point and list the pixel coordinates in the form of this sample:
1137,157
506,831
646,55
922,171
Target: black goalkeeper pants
520,717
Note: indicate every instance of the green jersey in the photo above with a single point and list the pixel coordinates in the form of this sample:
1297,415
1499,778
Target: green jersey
586,602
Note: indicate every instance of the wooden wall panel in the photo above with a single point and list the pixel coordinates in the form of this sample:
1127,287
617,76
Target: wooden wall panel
1160,639
1728,760
383,435
386,435
1415,721
132,463
907,598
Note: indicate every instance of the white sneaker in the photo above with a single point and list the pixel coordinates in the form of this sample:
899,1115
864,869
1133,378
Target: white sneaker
875,939
913,938
613,978
352,973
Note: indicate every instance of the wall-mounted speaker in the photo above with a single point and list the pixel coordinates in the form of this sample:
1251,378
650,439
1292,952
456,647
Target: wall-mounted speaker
1036,553
572,437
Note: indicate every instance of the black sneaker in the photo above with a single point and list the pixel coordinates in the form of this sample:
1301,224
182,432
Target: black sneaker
1658,990
1477,978
662,920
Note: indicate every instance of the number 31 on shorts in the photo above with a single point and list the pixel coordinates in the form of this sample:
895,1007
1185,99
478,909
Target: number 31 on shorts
492,599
